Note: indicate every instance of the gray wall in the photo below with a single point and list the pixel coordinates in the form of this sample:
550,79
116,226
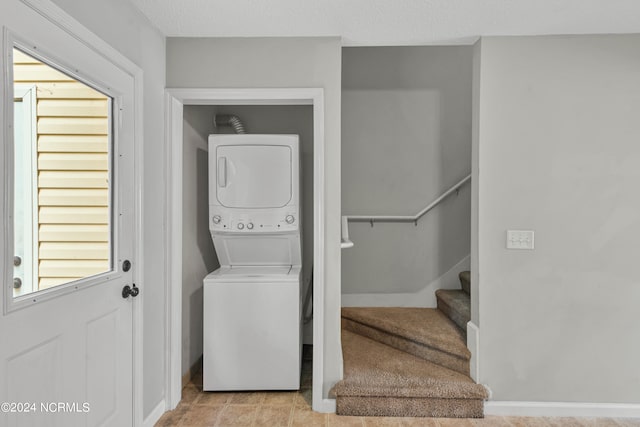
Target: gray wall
134,37
280,62
198,254
406,134
558,153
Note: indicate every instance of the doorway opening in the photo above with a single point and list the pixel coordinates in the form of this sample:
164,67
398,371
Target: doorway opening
407,117
198,254
190,114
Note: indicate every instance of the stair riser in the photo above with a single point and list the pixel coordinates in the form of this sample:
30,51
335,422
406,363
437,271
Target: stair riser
409,407
466,286
465,281
419,350
459,319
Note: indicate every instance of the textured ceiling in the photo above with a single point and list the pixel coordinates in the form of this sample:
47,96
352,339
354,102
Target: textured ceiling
390,22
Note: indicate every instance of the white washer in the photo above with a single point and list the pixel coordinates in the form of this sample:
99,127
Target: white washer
252,329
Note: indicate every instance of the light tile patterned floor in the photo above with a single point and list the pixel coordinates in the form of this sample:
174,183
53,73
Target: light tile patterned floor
293,409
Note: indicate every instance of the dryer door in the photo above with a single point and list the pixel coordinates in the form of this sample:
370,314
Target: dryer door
253,176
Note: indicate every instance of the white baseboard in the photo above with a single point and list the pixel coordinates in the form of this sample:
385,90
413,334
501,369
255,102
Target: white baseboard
562,409
473,344
425,297
155,415
325,406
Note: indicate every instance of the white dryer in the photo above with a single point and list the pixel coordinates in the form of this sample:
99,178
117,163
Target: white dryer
252,304
254,185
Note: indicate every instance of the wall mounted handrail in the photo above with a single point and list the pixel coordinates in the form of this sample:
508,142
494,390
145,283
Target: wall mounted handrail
347,243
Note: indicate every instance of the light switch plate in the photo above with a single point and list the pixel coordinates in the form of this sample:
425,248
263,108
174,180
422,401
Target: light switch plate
520,239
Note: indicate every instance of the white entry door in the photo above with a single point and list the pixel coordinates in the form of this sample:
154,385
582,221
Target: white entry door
66,351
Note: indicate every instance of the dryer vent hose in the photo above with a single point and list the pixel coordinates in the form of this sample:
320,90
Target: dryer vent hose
229,120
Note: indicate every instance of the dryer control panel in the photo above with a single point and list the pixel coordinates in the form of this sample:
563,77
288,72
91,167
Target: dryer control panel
234,221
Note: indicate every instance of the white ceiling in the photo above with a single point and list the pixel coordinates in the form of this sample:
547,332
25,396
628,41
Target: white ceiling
390,22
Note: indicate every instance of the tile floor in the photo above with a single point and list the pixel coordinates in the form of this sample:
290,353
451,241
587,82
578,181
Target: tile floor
293,409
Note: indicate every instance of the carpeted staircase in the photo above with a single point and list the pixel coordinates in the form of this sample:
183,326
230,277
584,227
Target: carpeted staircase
456,304
410,362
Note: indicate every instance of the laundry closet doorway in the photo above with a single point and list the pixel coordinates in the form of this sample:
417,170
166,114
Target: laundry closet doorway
190,114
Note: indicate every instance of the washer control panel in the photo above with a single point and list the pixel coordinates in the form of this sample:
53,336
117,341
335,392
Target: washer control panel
221,220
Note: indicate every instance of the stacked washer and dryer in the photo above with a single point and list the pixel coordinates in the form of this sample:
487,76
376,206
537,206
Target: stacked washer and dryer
252,303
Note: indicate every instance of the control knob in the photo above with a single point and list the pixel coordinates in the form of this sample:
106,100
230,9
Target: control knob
240,226
216,219
289,219
250,226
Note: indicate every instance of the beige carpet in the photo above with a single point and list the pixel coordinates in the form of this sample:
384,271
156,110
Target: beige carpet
380,380
426,326
456,305
375,369
465,281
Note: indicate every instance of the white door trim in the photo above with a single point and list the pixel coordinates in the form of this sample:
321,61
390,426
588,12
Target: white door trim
473,344
67,23
175,99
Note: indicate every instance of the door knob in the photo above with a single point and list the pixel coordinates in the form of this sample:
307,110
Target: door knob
17,283
130,290
17,261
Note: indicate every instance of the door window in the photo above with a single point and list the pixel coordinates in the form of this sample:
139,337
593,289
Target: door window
62,178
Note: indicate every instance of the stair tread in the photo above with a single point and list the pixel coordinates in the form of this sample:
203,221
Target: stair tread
375,369
426,326
459,301
431,353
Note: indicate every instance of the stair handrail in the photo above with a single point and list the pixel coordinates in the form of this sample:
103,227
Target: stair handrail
347,243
